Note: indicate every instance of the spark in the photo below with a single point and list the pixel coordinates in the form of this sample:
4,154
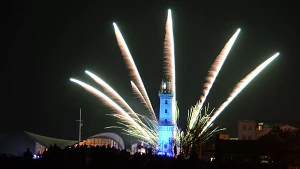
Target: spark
169,60
125,117
213,73
112,93
132,67
193,136
239,87
152,133
137,92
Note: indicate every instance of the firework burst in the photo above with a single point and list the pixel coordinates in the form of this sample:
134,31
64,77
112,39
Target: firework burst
199,121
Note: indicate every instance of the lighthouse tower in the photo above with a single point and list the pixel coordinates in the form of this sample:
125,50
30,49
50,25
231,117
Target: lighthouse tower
165,125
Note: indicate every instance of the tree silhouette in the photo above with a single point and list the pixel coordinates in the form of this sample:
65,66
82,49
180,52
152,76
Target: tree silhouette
291,137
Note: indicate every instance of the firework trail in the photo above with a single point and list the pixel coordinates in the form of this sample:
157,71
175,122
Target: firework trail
239,87
151,131
132,67
213,73
169,59
124,116
193,136
112,93
137,92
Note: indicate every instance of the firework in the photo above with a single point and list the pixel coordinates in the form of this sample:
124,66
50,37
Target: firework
212,75
193,136
137,92
134,128
132,67
200,120
112,93
169,58
239,87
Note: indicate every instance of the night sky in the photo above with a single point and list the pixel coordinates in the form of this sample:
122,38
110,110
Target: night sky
48,43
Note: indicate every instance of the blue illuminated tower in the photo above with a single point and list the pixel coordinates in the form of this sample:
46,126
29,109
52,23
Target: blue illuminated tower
165,125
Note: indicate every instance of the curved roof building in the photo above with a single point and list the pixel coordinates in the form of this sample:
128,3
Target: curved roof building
101,139
47,141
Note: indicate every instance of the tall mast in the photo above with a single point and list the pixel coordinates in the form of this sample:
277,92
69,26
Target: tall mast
80,125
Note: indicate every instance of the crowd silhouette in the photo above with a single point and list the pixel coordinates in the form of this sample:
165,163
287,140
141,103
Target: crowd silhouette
105,157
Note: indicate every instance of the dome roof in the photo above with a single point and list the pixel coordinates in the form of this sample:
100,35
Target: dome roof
62,143
166,79
112,136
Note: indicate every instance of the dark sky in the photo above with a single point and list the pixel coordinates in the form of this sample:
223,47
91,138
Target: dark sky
50,42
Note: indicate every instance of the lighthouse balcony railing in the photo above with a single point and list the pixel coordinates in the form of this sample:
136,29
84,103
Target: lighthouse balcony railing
165,92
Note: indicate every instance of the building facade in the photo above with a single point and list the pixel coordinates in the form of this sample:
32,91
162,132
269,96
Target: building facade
252,130
165,126
246,130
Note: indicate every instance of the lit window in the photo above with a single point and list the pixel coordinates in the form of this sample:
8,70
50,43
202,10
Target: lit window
260,128
164,86
166,146
166,110
166,102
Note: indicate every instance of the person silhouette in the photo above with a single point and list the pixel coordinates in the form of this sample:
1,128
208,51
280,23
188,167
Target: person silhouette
27,154
175,150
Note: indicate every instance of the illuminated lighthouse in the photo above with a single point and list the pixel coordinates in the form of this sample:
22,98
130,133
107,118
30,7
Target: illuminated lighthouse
165,125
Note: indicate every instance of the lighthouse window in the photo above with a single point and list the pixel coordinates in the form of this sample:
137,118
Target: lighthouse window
164,86
166,110
166,102
165,146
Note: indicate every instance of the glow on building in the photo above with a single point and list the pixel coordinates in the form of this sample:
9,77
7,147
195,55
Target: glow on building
165,126
252,130
224,136
102,139
107,142
139,147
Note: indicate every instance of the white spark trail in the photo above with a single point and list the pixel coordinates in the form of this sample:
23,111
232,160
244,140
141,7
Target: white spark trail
137,92
132,68
239,87
213,73
169,60
113,105
112,93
